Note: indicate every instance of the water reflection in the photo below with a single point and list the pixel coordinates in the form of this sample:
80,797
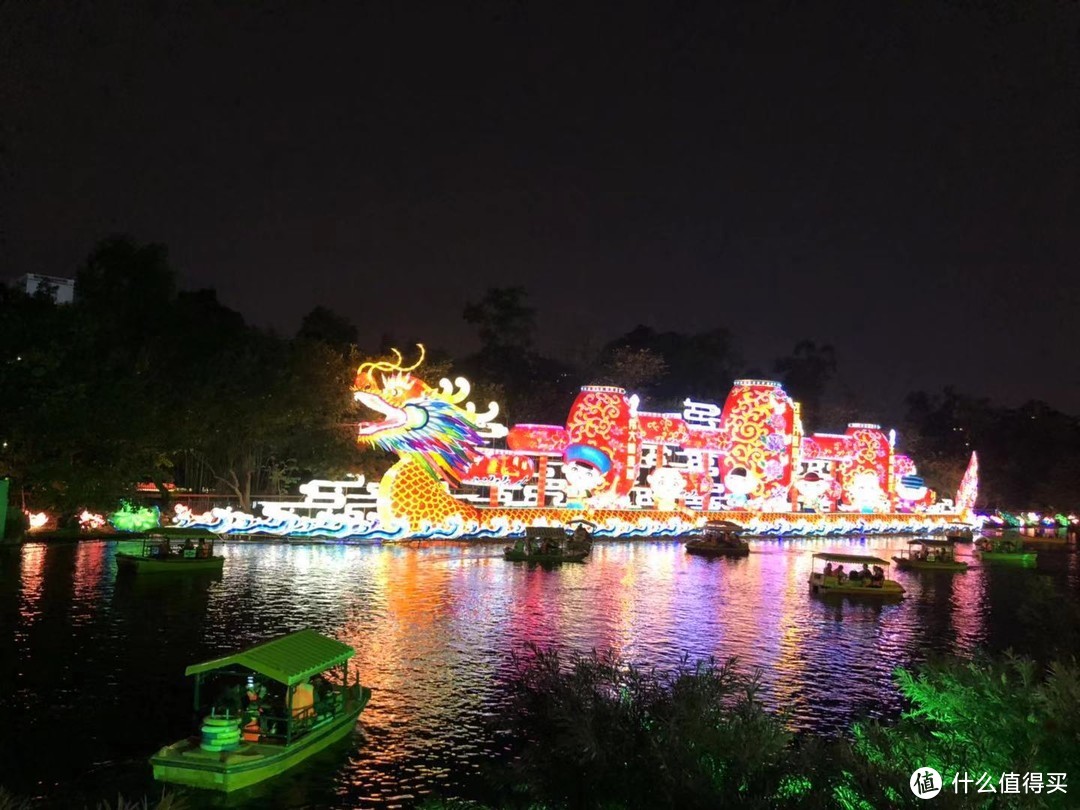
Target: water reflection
434,627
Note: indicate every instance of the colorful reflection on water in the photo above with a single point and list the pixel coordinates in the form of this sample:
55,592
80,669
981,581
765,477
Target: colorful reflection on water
95,664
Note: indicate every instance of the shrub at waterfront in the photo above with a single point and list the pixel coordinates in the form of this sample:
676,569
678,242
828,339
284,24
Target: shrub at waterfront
596,732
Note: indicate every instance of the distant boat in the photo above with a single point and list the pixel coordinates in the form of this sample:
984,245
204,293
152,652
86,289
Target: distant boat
929,555
719,538
292,712
156,554
1005,550
549,544
959,533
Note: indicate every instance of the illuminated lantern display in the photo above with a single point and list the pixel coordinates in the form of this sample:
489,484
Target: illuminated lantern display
758,422
600,419
132,518
538,439
864,473
499,469
629,472
968,492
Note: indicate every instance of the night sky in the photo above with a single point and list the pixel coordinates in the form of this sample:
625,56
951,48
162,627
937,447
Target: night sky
899,179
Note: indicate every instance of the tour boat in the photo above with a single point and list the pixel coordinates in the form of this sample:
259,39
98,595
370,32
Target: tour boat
159,554
1005,550
719,538
929,555
580,538
286,719
827,585
546,544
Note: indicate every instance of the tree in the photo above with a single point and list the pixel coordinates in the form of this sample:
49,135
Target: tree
504,321
505,325
700,366
633,369
323,325
805,374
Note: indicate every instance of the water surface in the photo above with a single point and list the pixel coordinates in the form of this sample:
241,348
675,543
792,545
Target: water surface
91,666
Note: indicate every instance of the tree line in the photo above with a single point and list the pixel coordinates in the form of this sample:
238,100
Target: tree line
140,381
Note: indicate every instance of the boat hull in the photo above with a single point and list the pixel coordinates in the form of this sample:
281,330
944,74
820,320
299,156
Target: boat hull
172,565
889,589
904,564
520,556
1022,558
707,550
183,763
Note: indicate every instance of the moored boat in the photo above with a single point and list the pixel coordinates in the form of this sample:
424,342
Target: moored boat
156,555
273,706
1005,550
929,555
719,538
837,582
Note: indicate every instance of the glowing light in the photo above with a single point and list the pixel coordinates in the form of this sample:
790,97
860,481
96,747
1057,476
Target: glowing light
631,472
132,518
91,521
38,520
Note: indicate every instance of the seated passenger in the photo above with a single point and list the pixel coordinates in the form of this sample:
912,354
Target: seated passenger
828,572
840,575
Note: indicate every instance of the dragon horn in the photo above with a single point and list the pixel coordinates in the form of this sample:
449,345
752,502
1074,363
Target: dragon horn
386,365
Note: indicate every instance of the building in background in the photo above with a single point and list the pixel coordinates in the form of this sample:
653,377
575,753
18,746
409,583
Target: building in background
63,288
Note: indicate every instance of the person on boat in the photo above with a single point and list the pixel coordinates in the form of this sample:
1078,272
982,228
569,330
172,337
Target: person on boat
878,577
828,572
865,575
840,575
231,699
166,547
200,550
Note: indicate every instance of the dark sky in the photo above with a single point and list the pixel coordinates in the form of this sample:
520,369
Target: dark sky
899,179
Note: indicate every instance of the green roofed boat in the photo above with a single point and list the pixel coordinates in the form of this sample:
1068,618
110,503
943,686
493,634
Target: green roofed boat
158,554
837,582
930,555
264,710
1005,550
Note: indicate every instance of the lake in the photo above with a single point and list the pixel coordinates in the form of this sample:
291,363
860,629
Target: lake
91,666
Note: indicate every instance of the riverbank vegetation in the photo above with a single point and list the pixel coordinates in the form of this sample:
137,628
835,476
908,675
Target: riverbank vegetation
141,382
594,731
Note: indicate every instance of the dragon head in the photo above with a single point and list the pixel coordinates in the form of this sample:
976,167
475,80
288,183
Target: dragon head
419,422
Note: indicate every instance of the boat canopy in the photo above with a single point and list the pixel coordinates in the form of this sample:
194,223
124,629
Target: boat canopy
929,542
582,522
288,660
724,525
849,558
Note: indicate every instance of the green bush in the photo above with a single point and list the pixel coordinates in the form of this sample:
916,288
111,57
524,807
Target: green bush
602,733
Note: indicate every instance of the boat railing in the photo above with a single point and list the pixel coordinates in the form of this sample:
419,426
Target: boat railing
288,728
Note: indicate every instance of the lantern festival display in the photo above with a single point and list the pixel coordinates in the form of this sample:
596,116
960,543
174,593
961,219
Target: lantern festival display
631,472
